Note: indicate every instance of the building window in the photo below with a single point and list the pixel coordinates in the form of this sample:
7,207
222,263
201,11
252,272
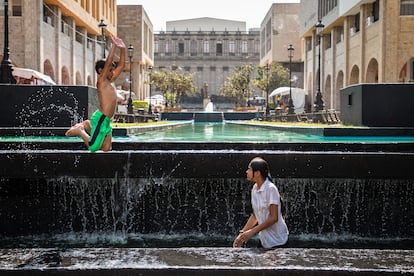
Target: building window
206,47
47,15
407,7
199,68
168,47
356,24
64,27
17,8
193,47
327,40
156,46
326,6
308,44
257,47
181,48
244,48
339,34
79,35
232,48
375,10
219,48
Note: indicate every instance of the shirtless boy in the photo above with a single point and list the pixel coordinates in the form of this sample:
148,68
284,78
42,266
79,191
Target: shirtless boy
96,133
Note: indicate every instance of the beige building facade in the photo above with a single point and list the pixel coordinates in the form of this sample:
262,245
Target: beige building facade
136,30
209,47
280,29
363,41
60,38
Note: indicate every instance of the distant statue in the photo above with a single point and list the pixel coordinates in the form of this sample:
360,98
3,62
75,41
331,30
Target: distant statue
209,107
205,90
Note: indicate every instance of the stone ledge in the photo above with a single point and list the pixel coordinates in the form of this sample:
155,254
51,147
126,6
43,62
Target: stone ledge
205,261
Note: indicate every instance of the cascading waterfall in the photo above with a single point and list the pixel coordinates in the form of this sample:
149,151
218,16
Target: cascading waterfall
215,207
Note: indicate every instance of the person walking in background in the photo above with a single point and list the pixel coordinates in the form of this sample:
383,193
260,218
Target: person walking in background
96,133
267,217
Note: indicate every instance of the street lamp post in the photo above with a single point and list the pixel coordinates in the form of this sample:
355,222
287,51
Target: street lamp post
6,69
290,103
319,102
102,25
267,68
130,53
150,92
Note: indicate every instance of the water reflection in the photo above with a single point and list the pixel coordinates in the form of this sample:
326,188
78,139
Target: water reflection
222,132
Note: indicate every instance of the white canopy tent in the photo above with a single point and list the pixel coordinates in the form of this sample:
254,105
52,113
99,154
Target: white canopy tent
33,76
156,100
298,96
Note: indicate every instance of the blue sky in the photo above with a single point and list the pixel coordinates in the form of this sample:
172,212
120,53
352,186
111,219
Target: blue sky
250,11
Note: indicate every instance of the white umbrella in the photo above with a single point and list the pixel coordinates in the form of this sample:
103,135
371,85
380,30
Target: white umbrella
123,95
284,90
124,92
157,97
298,96
30,74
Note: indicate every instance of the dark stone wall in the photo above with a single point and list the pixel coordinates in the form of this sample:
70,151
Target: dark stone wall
46,106
378,105
193,191
212,206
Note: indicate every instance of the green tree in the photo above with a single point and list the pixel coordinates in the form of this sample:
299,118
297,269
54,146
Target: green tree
174,84
277,76
238,84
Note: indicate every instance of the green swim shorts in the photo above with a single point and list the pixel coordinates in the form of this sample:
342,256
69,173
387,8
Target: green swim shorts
101,127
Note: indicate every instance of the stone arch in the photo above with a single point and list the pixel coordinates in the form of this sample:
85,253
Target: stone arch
411,71
48,69
354,77
89,79
339,85
65,76
372,71
78,78
327,92
407,72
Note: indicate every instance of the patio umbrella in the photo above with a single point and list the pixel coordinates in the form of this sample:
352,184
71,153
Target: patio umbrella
123,95
32,75
298,96
156,99
284,90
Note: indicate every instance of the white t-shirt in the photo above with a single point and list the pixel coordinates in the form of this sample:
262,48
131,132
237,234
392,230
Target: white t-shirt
277,234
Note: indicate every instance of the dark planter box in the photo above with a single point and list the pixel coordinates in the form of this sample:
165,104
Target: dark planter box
46,106
378,105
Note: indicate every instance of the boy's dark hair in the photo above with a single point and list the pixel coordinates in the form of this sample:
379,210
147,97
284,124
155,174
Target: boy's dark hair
259,164
100,64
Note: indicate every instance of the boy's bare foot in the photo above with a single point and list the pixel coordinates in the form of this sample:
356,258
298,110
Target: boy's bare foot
75,130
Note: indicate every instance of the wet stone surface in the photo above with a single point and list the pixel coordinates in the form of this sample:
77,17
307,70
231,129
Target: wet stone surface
245,259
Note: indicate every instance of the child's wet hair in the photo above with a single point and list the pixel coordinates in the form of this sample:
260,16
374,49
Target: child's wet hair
100,64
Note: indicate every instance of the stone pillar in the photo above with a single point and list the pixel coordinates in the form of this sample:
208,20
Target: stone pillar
72,32
58,19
